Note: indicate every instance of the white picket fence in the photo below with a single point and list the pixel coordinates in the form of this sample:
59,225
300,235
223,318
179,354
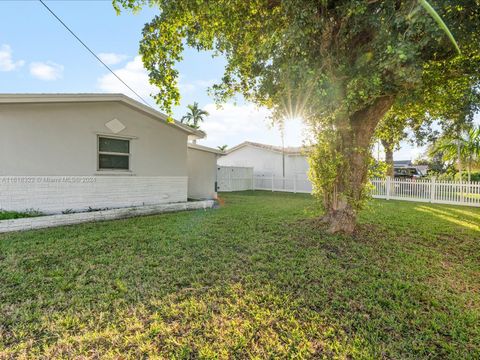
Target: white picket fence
231,178
431,190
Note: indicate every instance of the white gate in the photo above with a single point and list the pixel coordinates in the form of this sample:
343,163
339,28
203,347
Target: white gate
234,178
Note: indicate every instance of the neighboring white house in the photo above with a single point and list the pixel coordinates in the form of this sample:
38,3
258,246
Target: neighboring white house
71,152
267,160
273,166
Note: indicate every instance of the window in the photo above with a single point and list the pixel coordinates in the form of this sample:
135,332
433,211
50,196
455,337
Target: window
113,153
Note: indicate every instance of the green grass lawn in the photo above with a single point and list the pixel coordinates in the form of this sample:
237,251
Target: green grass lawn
257,278
8,215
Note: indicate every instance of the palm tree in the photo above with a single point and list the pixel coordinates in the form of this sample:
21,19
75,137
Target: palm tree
472,149
194,116
465,149
222,147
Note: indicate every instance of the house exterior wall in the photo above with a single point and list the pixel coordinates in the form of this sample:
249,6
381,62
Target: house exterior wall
49,159
56,194
202,174
61,139
266,162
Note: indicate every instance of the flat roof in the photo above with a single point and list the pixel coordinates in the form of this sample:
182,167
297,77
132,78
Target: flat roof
96,97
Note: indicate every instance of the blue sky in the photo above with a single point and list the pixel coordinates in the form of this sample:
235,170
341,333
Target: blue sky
38,55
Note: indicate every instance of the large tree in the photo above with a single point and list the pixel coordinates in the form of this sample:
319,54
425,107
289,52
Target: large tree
449,98
338,64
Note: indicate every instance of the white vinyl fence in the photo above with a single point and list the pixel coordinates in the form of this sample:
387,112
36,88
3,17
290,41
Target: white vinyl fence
423,190
431,190
295,184
237,178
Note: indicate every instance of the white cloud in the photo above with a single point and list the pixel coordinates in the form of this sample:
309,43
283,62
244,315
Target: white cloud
233,124
112,58
46,70
205,83
134,74
190,87
6,61
184,87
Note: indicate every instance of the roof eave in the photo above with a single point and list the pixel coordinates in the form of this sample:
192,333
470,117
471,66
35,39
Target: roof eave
257,146
205,148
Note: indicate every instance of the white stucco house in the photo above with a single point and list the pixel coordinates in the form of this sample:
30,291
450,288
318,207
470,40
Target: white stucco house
73,152
267,159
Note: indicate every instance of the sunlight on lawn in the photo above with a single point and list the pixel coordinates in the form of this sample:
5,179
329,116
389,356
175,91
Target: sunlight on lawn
448,216
255,278
464,212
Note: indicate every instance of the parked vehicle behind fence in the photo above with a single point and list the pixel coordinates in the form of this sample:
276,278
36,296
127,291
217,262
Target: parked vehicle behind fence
406,173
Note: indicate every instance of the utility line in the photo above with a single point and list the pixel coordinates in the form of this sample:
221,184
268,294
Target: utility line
91,52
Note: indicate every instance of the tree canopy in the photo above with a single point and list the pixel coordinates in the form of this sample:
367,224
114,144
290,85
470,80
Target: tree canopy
339,64
448,97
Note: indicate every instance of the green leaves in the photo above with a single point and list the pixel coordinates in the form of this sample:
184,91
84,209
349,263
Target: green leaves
465,147
352,53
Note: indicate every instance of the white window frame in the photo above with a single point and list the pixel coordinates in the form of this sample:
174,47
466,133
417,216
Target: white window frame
99,136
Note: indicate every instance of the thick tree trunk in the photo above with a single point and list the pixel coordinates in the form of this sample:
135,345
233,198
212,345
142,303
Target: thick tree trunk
388,147
356,135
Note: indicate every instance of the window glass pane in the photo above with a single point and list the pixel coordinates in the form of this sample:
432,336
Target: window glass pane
113,162
114,145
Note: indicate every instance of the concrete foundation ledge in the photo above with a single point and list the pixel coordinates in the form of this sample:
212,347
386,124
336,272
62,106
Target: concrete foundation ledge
103,215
